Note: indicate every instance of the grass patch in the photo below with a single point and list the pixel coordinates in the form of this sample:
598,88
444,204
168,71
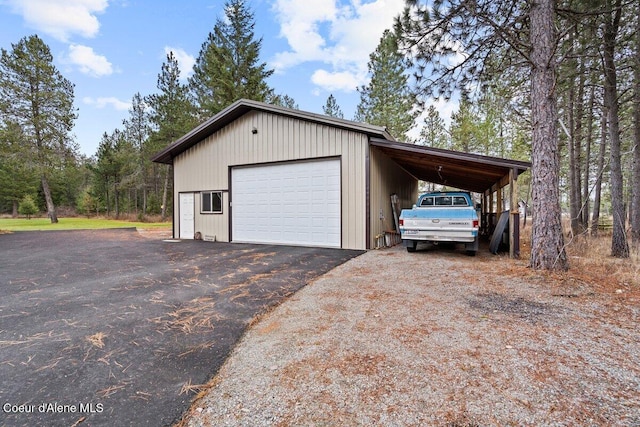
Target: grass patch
41,224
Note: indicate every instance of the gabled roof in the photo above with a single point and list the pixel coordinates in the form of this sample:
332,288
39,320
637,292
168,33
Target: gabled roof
466,171
243,106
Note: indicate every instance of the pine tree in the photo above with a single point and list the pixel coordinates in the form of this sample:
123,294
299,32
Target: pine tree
137,129
171,114
284,101
619,243
17,175
332,109
433,132
35,95
635,182
387,100
27,206
228,68
463,128
449,54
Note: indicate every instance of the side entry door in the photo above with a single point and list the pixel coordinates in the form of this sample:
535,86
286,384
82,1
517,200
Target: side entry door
187,216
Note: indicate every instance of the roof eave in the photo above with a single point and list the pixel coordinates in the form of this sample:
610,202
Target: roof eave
243,106
520,165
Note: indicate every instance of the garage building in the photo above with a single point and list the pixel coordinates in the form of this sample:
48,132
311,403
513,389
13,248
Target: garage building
261,173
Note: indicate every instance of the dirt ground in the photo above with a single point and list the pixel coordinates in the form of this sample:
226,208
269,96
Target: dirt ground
106,327
437,338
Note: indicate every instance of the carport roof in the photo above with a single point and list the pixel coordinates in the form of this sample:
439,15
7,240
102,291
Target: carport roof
471,172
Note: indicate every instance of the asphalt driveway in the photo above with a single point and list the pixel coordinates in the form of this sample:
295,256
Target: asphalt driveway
109,328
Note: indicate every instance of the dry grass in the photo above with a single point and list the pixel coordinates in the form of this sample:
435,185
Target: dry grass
33,339
200,313
590,263
591,256
97,339
188,388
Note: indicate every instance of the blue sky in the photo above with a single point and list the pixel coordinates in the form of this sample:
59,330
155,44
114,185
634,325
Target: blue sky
112,49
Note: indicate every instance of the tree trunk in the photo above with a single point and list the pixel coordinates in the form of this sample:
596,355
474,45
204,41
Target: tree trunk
547,242
116,192
164,193
595,219
574,192
107,199
144,201
635,180
587,160
619,244
577,149
51,209
14,210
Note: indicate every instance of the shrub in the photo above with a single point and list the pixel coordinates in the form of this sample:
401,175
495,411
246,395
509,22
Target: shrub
86,203
27,206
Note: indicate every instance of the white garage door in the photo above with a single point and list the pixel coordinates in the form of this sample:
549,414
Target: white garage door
287,203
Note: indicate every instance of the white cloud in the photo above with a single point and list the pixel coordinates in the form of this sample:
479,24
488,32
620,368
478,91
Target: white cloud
103,102
300,25
185,61
344,81
61,18
338,33
88,61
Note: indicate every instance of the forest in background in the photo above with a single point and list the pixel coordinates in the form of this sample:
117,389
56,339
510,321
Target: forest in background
479,52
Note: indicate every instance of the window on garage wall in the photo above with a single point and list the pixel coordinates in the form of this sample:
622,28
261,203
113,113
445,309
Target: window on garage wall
211,202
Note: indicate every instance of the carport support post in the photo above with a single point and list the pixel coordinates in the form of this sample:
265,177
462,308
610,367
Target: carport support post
514,215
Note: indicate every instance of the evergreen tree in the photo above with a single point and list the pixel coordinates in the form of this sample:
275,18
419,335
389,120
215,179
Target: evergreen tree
635,181
35,95
27,206
228,68
433,132
449,54
332,109
387,100
17,175
612,18
171,111
284,101
171,114
137,129
114,168
463,128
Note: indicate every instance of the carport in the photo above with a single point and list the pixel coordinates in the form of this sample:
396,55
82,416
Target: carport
488,176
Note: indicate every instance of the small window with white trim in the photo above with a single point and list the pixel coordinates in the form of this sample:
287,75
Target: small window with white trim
211,202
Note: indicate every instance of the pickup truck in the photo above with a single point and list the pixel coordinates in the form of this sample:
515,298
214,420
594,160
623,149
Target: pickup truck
440,217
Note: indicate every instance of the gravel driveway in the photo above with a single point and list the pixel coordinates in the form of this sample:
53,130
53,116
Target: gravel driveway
438,339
